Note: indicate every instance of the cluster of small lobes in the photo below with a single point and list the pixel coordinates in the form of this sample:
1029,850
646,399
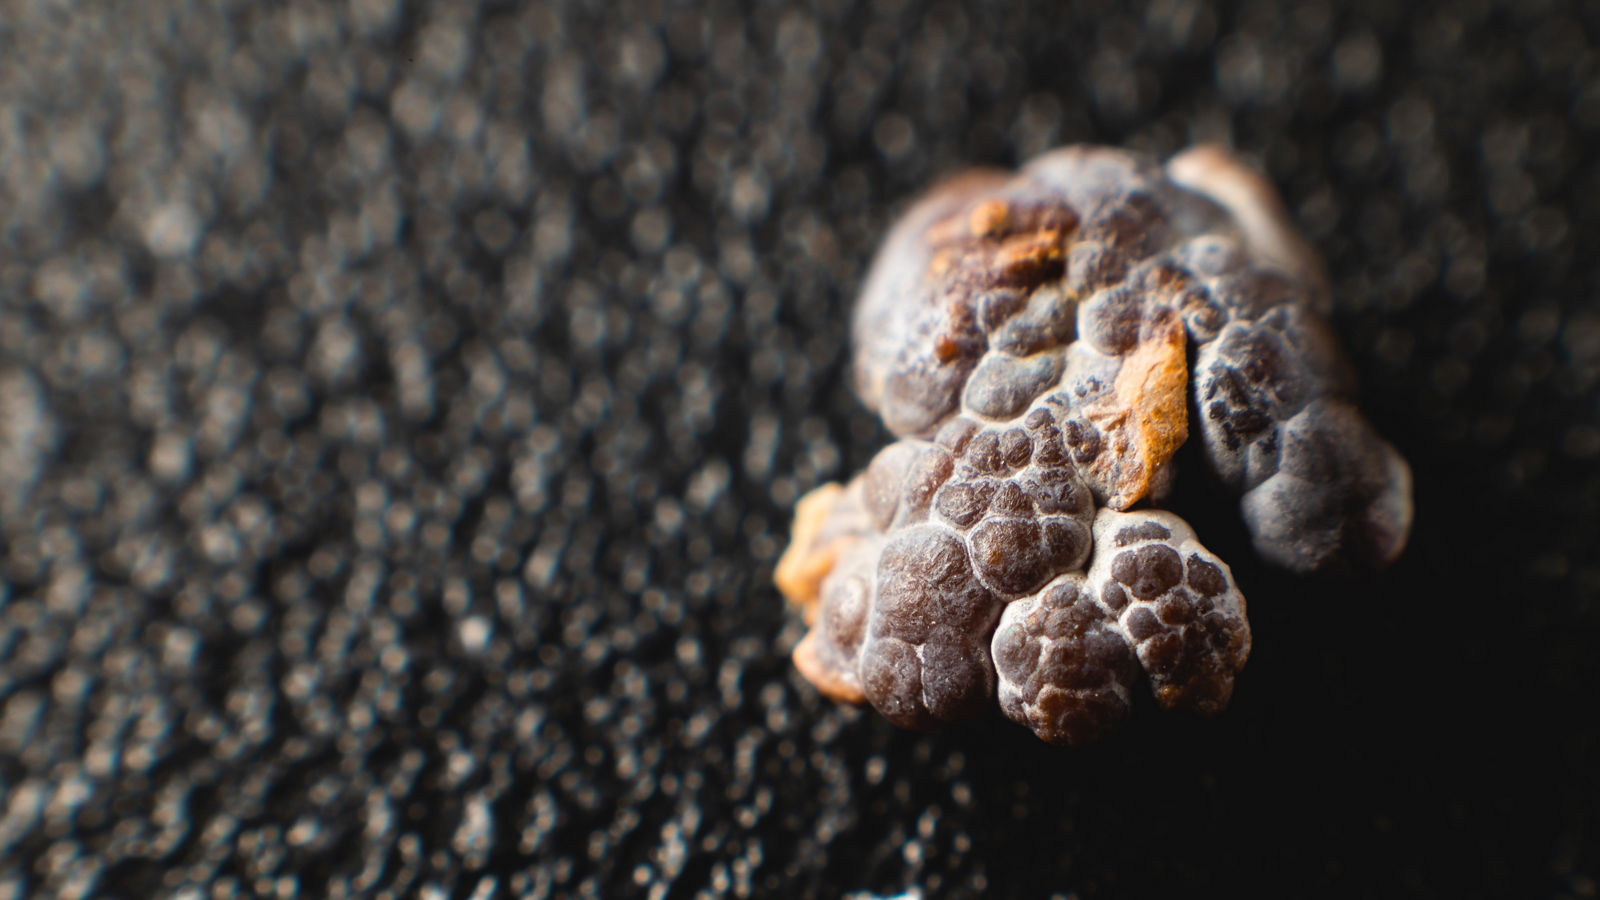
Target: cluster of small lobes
1039,344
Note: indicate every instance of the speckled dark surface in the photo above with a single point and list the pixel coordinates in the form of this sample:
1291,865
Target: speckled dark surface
402,407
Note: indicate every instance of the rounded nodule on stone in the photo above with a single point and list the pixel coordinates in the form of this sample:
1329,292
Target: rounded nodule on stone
1148,571
964,502
1002,386
1010,554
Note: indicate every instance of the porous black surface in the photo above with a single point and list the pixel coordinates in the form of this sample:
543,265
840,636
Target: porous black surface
402,407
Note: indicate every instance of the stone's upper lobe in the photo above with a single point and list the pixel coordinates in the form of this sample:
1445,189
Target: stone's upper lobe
1041,345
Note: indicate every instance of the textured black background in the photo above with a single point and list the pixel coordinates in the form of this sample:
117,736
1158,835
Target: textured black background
402,406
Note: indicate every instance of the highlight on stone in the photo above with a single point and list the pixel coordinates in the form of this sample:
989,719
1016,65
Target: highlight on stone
1041,344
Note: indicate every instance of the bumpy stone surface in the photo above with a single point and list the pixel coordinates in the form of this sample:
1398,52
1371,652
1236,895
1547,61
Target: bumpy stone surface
1067,657
1030,340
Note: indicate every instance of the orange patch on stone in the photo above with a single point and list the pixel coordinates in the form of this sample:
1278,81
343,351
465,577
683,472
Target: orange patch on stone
833,681
1030,257
1146,418
989,218
809,558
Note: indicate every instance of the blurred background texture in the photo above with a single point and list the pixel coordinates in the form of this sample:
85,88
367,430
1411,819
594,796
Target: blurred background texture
402,406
